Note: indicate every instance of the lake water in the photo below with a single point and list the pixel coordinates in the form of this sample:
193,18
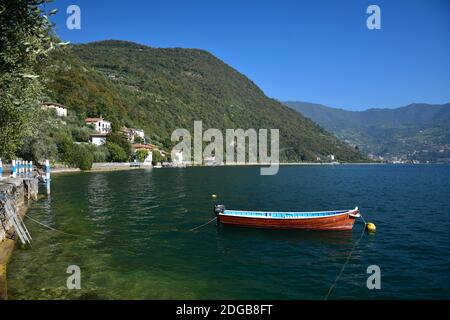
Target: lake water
133,240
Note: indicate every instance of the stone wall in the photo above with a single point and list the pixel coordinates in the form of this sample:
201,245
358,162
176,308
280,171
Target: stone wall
16,193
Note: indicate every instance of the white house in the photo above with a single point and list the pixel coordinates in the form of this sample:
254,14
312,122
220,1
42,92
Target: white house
61,111
131,133
98,139
138,133
149,147
148,161
100,125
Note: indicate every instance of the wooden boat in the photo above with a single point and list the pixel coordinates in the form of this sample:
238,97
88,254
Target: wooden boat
319,220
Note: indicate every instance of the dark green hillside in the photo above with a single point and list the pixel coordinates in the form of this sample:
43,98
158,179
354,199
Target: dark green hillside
164,89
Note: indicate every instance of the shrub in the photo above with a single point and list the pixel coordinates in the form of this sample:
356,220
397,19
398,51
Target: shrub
121,141
101,154
81,134
141,155
116,153
65,148
82,158
157,157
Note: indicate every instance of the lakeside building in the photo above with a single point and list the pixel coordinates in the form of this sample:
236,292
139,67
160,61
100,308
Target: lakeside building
138,133
98,139
61,111
131,134
149,147
102,128
100,125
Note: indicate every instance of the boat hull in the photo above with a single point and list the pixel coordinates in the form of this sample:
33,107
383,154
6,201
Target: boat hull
343,221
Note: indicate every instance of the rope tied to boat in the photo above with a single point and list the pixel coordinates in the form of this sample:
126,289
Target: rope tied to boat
202,225
347,260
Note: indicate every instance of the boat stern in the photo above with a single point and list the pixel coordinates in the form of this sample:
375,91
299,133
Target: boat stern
218,209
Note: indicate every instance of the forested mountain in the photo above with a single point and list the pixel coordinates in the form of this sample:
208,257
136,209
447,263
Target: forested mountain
160,90
414,132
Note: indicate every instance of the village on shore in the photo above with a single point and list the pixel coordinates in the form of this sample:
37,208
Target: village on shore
136,137
139,143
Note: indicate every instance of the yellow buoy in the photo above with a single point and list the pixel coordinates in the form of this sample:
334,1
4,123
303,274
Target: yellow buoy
371,227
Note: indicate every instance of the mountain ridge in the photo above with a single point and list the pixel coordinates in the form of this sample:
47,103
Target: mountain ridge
418,131
161,89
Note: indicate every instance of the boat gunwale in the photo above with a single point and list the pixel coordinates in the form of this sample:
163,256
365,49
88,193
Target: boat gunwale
309,215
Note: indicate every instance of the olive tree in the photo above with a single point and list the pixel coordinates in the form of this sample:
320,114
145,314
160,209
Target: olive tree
25,40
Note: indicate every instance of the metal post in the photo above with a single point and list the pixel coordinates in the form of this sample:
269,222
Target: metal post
47,175
47,170
14,169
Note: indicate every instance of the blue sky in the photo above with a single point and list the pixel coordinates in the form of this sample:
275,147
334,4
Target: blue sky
315,51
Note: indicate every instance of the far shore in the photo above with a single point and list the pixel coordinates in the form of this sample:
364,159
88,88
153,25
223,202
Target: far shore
125,166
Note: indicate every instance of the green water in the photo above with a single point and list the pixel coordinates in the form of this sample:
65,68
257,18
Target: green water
133,240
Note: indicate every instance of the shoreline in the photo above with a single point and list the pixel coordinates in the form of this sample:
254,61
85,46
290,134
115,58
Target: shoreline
99,167
125,166
106,167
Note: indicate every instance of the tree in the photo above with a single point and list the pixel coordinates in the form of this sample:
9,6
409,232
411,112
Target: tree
115,125
116,153
82,134
157,157
120,140
82,158
141,155
25,40
65,148
138,139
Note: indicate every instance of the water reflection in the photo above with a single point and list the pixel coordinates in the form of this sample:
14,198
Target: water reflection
291,236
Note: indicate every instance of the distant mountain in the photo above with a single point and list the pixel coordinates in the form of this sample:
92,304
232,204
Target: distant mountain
415,132
161,90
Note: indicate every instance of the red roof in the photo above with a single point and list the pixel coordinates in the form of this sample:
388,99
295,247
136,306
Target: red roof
93,119
144,146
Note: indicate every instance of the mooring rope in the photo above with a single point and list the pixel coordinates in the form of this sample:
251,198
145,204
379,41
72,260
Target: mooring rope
346,261
202,225
48,227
